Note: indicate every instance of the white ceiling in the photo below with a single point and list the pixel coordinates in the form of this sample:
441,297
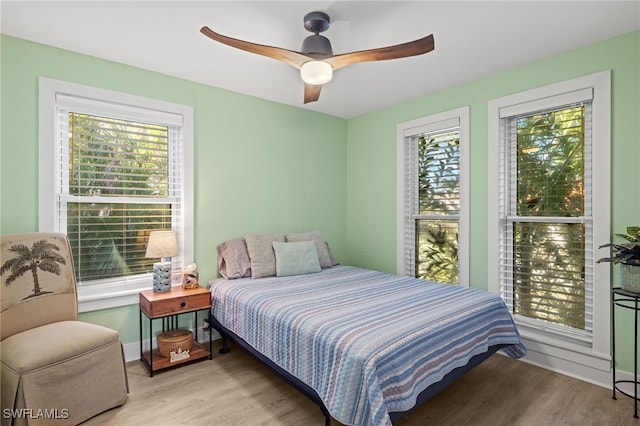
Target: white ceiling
473,39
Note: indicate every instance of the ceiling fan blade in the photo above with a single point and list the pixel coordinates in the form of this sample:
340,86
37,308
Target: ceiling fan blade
311,92
295,59
404,50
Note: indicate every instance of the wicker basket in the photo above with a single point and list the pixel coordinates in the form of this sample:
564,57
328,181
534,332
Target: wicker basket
630,277
173,340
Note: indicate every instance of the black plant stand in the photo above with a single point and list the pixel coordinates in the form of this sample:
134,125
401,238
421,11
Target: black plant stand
628,300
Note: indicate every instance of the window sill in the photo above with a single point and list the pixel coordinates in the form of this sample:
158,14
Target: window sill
91,298
115,293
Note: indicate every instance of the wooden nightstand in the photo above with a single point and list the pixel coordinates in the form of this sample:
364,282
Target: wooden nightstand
168,306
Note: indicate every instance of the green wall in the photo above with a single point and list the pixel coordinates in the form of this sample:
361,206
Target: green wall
371,149
259,166
266,167
371,156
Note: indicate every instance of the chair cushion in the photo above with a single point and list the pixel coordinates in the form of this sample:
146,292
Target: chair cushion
53,343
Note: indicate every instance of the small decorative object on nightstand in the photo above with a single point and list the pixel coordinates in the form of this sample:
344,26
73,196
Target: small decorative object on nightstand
162,244
172,348
190,276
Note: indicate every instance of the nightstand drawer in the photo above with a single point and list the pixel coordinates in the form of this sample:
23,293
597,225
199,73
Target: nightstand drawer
156,305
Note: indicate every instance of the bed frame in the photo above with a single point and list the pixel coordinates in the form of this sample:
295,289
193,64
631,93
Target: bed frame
306,390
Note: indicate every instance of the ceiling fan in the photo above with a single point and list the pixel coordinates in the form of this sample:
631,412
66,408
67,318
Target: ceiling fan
316,60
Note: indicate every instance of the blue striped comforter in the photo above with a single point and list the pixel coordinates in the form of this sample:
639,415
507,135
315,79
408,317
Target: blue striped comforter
367,342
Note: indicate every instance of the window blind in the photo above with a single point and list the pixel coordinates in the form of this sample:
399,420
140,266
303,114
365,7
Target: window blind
432,197
411,202
117,110
546,273
548,102
439,172
117,180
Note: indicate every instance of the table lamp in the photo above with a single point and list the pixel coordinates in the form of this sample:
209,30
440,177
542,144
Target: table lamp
162,244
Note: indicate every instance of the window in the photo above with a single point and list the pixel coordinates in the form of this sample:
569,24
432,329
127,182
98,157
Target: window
547,216
113,169
432,197
549,208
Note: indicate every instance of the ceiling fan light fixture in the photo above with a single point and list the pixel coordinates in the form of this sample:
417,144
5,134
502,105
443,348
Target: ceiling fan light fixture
316,60
316,72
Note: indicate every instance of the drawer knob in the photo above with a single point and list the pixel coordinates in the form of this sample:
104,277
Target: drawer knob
183,304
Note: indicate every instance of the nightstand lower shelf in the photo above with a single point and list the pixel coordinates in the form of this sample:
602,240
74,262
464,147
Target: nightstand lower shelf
197,351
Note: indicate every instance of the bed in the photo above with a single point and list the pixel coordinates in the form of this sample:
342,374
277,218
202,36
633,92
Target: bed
366,346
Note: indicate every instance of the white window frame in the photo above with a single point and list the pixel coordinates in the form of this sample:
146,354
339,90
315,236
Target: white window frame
434,122
589,361
111,293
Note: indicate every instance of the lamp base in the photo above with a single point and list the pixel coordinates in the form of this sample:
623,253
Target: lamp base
161,277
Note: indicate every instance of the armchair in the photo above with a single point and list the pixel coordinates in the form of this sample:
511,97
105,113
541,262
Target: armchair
53,366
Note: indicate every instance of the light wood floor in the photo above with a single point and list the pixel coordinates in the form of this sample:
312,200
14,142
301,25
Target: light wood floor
235,389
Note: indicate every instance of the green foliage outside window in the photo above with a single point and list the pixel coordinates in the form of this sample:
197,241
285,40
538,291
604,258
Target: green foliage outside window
549,262
439,196
118,177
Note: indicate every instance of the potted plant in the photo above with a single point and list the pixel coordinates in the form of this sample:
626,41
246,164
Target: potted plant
628,256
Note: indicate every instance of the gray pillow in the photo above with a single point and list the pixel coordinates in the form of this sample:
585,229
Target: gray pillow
233,259
324,255
261,255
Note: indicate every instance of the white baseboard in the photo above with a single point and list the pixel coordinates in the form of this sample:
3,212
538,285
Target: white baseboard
594,370
602,380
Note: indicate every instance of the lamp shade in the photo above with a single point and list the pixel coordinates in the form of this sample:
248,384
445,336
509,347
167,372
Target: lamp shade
162,244
316,72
